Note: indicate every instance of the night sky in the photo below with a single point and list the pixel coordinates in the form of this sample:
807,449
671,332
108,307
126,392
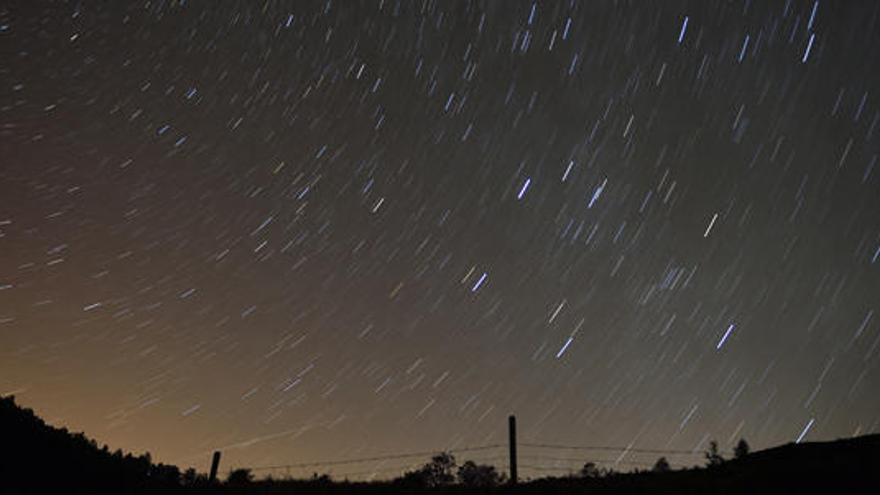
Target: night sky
299,231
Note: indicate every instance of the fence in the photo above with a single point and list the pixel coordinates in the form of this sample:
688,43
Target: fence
542,460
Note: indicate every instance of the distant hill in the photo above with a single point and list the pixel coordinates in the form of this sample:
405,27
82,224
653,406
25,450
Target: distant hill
36,458
848,466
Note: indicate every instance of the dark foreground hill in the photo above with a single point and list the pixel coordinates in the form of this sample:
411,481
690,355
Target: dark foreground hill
850,466
36,458
40,459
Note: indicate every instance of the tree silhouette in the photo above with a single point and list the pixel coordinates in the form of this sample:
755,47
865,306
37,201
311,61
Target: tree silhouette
713,458
661,466
440,471
741,450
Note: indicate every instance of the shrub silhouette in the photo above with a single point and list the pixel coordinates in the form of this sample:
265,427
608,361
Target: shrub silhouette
661,466
478,475
589,470
238,477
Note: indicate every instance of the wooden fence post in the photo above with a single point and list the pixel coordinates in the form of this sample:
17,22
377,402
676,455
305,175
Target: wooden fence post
511,429
215,463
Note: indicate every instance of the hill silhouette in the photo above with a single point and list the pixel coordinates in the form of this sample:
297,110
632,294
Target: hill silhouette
37,458
848,466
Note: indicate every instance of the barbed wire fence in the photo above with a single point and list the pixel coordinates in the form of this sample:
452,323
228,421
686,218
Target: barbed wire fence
542,460
414,460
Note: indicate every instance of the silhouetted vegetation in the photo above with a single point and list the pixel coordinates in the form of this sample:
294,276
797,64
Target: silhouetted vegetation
36,458
238,477
741,450
713,458
662,466
440,471
590,470
478,475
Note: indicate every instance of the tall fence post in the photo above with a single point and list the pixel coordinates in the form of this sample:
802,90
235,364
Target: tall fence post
215,463
511,428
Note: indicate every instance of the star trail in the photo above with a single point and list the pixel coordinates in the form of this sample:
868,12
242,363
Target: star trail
306,230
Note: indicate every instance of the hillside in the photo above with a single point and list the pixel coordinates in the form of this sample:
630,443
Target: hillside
835,467
38,458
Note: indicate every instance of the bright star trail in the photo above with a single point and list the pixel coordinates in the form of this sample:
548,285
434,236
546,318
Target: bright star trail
331,229
724,337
